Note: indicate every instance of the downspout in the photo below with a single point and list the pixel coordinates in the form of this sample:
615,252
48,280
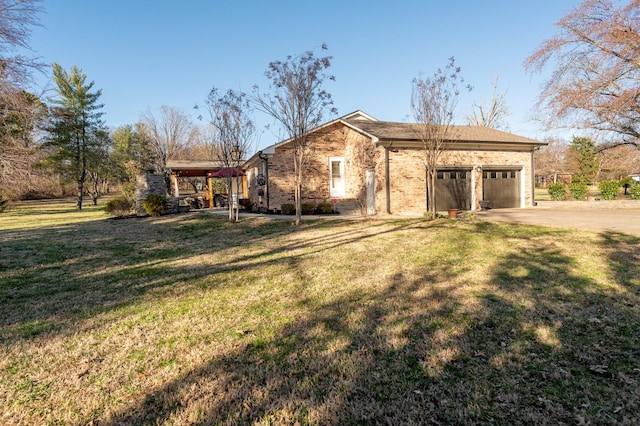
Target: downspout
266,176
386,178
533,182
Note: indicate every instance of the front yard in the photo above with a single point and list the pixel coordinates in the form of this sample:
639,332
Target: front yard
190,320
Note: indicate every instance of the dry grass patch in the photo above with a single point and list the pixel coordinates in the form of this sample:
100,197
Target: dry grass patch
191,320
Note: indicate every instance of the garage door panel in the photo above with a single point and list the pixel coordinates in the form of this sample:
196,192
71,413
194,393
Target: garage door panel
501,188
453,190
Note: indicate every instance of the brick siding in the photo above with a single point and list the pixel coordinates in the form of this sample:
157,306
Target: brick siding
407,181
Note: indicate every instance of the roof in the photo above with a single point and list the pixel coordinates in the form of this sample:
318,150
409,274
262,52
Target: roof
193,165
193,168
393,131
406,134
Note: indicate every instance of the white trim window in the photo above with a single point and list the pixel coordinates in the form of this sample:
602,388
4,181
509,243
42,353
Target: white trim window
336,177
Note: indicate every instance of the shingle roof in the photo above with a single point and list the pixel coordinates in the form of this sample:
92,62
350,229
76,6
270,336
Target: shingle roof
194,164
386,130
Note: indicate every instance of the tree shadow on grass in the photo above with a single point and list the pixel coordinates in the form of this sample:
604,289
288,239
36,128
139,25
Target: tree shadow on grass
354,360
541,341
53,277
420,346
558,337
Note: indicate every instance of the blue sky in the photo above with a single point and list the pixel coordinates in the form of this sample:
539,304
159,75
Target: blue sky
148,53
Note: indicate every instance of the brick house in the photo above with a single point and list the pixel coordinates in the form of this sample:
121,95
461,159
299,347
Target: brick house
377,166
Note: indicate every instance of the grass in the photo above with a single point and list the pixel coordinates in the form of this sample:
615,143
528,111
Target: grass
190,320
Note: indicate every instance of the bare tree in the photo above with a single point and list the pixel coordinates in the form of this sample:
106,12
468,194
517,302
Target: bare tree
171,133
619,162
550,160
595,83
433,103
233,138
19,110
298,102
204,145
17,17
491,114
21,116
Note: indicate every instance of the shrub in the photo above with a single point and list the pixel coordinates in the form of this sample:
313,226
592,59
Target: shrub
308,208
324,208
627,181
609,189
557,191
578,190
155,205
129,192
288,208
119,207
634,191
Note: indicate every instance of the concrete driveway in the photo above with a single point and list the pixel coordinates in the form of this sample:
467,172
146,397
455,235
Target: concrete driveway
612,216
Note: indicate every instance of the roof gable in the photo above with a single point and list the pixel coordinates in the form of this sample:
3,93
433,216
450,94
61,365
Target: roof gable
356,117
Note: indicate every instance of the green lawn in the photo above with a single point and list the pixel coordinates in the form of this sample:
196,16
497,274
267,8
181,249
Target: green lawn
190,320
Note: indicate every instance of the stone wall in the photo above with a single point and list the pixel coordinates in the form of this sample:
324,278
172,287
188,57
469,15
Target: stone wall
147,184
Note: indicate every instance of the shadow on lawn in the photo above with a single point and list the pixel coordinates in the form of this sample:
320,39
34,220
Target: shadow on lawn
52,277
541,342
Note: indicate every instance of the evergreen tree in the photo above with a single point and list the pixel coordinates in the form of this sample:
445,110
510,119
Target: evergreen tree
583,160
76,127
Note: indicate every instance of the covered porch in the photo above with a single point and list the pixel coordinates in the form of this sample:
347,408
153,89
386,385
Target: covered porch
209,170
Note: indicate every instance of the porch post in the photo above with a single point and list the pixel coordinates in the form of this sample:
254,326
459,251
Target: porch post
210,191
174,181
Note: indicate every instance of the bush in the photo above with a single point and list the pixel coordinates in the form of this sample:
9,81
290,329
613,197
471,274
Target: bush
627,181
609,189
155,205
129,192
308,208
119,207
288,208
324,208
578,190
557,191
634,191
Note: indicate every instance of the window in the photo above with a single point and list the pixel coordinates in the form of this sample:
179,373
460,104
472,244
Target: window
336,177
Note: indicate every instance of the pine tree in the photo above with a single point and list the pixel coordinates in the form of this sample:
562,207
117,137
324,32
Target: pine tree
76,125
583,160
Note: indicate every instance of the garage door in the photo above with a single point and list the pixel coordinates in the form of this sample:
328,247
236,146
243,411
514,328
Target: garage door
501,188
453,189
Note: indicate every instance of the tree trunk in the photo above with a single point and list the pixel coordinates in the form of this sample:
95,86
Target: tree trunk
298,201
238,198
80,190
230,198
431,194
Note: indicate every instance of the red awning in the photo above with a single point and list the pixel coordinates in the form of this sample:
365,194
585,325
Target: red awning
226,172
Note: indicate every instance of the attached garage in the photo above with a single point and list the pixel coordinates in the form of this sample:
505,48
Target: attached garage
382,167
501,187
453,189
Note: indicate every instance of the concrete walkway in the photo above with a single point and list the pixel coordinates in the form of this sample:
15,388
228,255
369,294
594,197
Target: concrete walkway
612,216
